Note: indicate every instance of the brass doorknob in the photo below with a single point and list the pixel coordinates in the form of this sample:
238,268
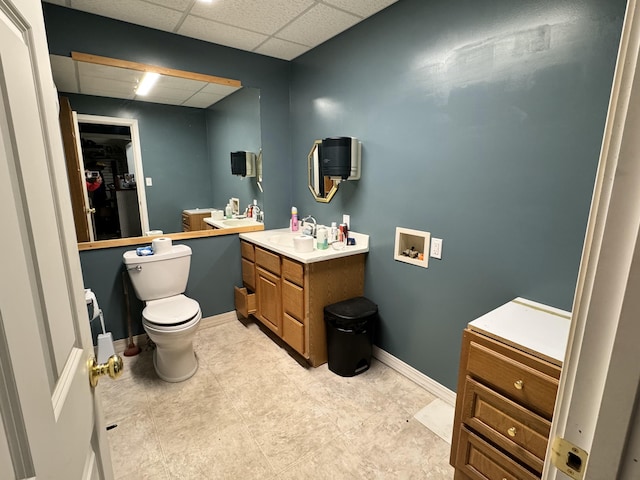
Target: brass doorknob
113,368
512,432
519,384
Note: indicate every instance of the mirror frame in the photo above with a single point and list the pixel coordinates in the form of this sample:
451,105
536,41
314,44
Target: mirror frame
310,165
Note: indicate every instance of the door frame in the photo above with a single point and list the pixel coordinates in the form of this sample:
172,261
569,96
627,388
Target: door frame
596,406
132,123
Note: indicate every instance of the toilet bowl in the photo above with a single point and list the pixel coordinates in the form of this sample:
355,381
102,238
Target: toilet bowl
171,324
169,318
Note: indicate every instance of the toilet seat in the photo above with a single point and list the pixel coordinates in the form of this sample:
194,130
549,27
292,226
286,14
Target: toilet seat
175,311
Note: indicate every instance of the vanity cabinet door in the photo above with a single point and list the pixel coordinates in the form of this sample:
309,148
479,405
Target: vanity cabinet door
269,308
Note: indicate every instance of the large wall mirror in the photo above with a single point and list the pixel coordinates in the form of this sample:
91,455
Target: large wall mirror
185,129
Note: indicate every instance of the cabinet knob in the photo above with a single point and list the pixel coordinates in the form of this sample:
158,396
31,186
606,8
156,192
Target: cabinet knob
519,384
512,432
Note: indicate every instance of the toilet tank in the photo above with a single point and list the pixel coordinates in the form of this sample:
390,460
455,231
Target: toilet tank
160,275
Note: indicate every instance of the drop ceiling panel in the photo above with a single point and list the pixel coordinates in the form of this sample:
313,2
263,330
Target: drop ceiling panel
64,73
278,28
217,89
210,31
275,47
318,25
103,87
262,17
132,11
203,100
363,8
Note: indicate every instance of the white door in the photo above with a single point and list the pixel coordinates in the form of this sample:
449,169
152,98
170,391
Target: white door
50,421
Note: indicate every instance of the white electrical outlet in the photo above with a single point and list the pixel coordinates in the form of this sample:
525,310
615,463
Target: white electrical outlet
436,248
347,219
148,182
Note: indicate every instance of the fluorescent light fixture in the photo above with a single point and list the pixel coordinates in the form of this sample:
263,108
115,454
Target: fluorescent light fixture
148,81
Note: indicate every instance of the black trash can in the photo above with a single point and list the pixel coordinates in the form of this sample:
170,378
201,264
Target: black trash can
350,327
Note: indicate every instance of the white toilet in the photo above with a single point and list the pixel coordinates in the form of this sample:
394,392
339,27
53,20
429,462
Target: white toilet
169,318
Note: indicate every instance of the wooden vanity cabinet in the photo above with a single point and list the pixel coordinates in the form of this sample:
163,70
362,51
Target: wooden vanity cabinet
504,408
195,221
289,297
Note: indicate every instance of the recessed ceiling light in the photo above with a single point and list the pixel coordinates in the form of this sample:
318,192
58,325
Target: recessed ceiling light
148,81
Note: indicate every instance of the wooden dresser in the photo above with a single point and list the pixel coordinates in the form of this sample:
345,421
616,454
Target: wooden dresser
193,220
507,384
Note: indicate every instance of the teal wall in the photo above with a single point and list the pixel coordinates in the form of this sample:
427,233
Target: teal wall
173,141
481,122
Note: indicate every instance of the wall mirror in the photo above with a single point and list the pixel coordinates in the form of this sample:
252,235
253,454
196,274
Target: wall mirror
322,187
187,127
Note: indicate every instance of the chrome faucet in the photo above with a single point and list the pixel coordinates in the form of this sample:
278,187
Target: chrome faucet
256,212
311,229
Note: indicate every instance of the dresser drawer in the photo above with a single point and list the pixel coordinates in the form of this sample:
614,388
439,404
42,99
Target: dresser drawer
514,377
248,274
293,271
293,333
480,461
293,300
247,250
508,425
268,261
245,302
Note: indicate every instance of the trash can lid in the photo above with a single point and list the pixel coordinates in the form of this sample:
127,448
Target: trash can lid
352,309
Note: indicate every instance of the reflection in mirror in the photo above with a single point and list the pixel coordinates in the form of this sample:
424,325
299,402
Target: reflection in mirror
184,140
322,187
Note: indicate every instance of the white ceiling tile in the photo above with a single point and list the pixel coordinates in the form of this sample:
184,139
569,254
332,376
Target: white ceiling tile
217,89
318,25
222,34
175,95
181,84
203,100
274,47
259,16
105,88
364,8
159,99
132,11
63,3
174,4
64,73
109,72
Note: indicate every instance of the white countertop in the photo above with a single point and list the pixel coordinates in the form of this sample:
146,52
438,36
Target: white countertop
263,239
530,326
200,210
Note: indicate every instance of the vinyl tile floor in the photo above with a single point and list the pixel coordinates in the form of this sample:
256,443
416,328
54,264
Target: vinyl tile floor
252,411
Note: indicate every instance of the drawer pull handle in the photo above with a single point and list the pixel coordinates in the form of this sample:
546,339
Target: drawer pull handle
519,384
512,432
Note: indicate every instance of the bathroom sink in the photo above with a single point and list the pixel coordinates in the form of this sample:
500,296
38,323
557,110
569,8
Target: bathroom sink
231,222
284,239
239,222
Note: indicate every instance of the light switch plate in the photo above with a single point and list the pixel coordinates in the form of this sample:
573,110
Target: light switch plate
347,219
436,248
148,182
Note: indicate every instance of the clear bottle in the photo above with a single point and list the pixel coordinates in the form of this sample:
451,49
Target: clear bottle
228,212
333,234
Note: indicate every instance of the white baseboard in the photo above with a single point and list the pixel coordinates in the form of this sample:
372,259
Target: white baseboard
430,385
141,340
